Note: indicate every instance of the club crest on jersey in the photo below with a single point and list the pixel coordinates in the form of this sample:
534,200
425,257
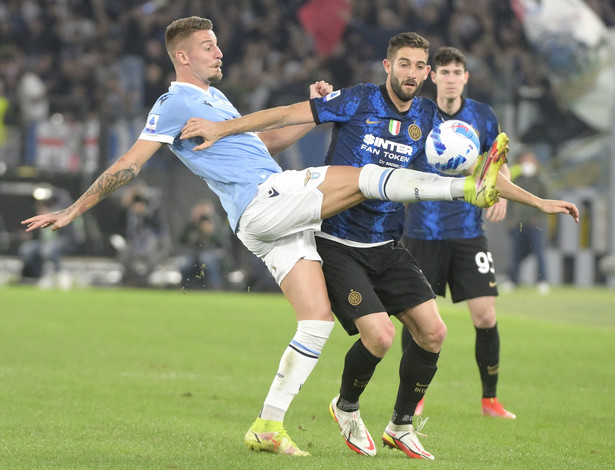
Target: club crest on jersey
332,95
310,176
415,132
394,126
152,122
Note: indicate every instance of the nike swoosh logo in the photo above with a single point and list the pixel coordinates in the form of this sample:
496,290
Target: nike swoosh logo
492,284
371,446
369,121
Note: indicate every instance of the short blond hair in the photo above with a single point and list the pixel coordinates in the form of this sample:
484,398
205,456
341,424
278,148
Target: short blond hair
181,29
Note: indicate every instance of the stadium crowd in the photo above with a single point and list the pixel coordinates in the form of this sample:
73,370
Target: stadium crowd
108,57
104,61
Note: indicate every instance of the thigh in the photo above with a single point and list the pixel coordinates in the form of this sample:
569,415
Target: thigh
304,288
472,272
341,190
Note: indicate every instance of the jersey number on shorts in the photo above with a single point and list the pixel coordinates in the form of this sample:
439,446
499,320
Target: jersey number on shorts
484,262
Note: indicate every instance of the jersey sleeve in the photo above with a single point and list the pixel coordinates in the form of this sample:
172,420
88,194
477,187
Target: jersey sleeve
338,106
165,120
492,127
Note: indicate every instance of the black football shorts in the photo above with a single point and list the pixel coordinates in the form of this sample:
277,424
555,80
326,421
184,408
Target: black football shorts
465,264
360,281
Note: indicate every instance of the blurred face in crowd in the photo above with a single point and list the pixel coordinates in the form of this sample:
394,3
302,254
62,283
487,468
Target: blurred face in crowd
529,164
199,57
406,72
450,80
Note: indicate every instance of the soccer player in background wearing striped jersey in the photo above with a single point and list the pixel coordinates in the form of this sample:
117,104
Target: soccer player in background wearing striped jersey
448,239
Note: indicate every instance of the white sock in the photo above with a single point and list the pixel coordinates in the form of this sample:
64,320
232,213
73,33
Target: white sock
298,361
404,185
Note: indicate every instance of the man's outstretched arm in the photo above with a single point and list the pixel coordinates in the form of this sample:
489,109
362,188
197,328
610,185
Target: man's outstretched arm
268,119
512,192
123,170
278,140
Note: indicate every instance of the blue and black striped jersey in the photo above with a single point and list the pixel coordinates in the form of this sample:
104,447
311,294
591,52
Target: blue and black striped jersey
368,128
435,220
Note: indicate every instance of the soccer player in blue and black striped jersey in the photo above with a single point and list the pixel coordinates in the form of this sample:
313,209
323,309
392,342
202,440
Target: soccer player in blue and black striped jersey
448,239
369,276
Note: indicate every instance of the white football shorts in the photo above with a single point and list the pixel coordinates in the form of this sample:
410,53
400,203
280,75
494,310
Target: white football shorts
278,225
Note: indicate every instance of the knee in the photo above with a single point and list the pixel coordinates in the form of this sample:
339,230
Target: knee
433,339
379,340
483,317
485,321
438,335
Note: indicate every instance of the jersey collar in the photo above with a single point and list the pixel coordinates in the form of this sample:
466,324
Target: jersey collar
452,116
190,85
389,102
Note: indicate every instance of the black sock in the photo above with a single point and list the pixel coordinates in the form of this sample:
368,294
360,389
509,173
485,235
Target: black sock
416,370
487,352
359,366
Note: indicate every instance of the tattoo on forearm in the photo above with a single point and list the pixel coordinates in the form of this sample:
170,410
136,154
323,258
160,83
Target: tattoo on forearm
106,183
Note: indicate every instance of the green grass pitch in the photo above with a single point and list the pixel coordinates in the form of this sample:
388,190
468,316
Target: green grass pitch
127,379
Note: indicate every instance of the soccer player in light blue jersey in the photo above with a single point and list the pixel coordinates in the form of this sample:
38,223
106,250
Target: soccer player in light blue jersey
448,239
274,213
369,276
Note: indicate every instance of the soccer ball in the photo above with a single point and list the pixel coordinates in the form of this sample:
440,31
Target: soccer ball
452,147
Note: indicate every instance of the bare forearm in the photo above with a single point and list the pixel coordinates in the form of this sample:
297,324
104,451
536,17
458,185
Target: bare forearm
505,170
512,192
125,169
268,119
104,185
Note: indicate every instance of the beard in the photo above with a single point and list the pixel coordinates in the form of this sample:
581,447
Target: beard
216,78
400,93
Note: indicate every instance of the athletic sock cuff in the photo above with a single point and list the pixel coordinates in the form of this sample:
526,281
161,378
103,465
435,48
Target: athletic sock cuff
312,335
428,356
368,356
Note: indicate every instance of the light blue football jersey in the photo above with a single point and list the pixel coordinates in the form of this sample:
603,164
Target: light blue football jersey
233,167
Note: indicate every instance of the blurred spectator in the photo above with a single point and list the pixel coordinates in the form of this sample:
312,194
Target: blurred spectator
208,240
107,56
42,253
527,226
146,242
33,108
4,107
120,42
